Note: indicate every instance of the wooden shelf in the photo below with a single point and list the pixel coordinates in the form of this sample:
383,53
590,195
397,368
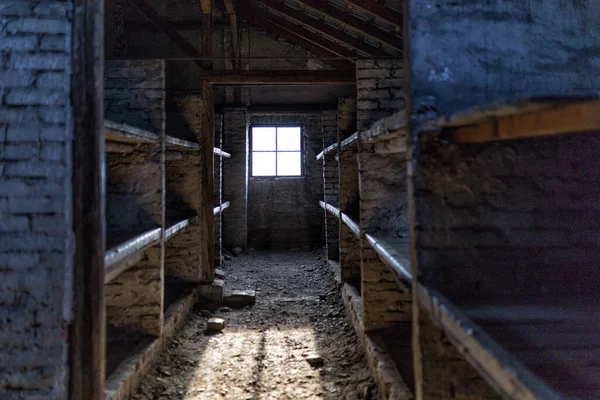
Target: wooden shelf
329,150
221,208
501,369
395,253
522,118
353,226
180,227
173,142
124,133
389,128
221,153
124,256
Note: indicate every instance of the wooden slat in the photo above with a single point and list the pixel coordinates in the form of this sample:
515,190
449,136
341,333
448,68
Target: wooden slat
522,119
235,41
221,153
349,142
329,150
165,27
320,25
181,144
119,258
124,133
221,208
86,330
367,28
379,10
353,226
507,375
389,128
179,227
330,208
278,77
392,254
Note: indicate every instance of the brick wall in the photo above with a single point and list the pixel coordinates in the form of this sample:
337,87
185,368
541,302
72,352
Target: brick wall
36,245
235,178
284,213
380,89
134,93
331,183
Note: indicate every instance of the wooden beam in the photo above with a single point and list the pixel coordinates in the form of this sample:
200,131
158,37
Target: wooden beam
275,77
379,10
298,30
169,31
568,118
86,333
299,41
366,28
321,26
207,33
235,41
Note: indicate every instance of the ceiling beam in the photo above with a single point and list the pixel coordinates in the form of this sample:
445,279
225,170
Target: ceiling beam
365,27
377,9
321,26
169,31
275,77
298,30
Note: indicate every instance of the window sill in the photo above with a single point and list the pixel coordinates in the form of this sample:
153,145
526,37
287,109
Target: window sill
275,178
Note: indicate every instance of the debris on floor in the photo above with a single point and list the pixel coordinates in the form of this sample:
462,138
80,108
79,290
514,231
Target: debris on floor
264,352
219,274
239,298
216,324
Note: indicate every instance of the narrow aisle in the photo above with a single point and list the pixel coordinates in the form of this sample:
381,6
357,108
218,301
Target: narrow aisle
263,351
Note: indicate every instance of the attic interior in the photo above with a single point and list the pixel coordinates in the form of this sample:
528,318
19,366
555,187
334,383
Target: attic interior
289,199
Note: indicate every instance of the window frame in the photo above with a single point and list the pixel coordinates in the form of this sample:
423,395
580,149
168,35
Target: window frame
276,151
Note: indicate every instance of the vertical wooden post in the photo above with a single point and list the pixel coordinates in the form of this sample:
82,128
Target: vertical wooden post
207,34
87,332
206,194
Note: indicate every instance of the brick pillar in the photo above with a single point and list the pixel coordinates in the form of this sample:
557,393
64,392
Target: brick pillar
218,187
36,237
348,193
235,178
383,192
331,184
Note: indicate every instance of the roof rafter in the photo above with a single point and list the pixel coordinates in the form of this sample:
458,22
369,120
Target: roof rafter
321,26
365,27
377,9
169,31
283,24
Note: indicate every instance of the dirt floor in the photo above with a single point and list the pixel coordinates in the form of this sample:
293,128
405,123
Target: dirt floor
263,352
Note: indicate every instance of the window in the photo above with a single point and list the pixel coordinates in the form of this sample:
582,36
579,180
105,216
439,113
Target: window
276,151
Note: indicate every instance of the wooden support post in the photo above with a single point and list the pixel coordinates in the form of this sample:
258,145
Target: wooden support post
87,340
207,142
207,33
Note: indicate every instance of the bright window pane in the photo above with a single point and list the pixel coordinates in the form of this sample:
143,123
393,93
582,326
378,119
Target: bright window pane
263,164
289,164
288,138
263,139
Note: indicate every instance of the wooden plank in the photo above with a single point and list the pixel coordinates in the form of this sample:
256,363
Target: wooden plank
298,30
353,226
235,41
279,77
119,258
207,141
389,128
553,120
220,153
358,24
124,133
320,25
86,332
392,254
179,227
350,142
218,210
379,10
165,27
181,144
330,208
508,376
329,150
